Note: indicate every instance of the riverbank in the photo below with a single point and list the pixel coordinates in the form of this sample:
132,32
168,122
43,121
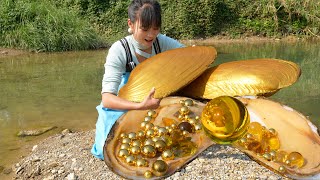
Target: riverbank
67,156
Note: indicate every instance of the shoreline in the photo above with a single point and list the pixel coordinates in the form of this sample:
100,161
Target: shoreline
68,156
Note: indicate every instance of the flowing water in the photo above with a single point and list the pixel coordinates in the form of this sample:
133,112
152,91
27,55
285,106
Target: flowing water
62,89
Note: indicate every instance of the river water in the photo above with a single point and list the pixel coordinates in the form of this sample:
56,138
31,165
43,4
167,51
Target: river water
62,89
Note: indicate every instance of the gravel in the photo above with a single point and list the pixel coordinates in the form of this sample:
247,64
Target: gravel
67,156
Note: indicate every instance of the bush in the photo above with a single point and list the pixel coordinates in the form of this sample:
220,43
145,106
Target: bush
41,26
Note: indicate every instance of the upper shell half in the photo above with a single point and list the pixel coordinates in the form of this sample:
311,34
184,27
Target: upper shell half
167,72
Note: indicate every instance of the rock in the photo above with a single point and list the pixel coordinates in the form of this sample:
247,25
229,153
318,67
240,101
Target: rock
7,170
66,131
36,132
71,176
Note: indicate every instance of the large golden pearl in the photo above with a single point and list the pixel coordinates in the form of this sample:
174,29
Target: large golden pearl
184,110
123,153
135,150
147,118
159,167
167,155
148,174
188,102
149,151
160,145
152,113
142,162
132,135
125,146
131,160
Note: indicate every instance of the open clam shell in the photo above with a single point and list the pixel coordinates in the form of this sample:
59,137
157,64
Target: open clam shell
131,122
296,134
245,77
167,72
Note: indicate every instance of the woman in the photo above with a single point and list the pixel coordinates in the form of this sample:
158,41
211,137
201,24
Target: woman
145,41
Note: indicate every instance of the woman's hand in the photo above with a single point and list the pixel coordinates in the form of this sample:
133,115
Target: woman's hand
150,102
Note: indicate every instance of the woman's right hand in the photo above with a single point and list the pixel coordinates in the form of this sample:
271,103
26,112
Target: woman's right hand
149,101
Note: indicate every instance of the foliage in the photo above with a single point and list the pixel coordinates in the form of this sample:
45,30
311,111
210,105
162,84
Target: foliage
58,25
41,26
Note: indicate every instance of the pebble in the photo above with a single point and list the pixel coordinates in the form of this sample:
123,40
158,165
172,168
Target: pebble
69,162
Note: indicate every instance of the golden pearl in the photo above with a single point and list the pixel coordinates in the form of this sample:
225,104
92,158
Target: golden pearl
126,140
147,118
142,162
173,126
192,121
125,146
167,155
273,131
150,133
156,138
123,153
143,124
149,151
188,102
136,143
140,134
148,174
135,150
282,169
184,110
159,167
131,160
123,135
149,126
149,142
197,118
181,102
132,135
162,131
156,128
160,145
185,133
197,127
267,156
152,113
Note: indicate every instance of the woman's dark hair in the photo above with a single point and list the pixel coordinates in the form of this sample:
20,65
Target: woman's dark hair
147,11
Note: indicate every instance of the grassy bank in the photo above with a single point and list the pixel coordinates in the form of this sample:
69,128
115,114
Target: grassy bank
89,24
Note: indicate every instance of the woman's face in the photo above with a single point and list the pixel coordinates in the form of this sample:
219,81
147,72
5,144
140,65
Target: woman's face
145,37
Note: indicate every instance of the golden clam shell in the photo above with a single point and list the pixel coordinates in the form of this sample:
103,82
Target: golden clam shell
245,77
182,65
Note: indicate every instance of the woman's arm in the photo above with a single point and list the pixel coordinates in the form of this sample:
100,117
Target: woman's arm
112,101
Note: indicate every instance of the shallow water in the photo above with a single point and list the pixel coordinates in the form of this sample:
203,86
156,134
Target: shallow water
62,89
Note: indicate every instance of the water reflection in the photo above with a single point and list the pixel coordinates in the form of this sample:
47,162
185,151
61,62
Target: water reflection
62,89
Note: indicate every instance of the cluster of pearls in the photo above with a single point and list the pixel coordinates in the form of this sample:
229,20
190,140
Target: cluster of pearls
265,142
153,141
